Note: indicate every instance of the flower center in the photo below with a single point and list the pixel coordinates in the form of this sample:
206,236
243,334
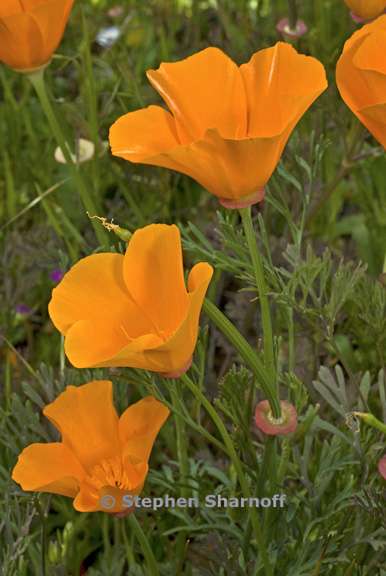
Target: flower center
108,472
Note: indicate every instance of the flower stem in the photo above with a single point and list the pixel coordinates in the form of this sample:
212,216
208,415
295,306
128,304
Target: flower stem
146,549
37,80
246,352
181,442
292,14
184,471
260,540
269,356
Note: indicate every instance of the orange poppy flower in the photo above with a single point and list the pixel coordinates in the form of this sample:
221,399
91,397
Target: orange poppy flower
101,458
366,8
361,76
228,125
132,310
30,31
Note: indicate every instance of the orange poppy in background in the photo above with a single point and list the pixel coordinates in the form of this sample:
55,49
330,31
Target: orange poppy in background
132,310
366,8
101,458
228,125
361,76
31,30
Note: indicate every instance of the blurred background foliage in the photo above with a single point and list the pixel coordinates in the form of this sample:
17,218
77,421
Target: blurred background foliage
323,234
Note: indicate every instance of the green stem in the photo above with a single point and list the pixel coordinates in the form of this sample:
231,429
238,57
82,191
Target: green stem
181,442
246,352
7,381
291,340
182,454
269,355
37,80
43,518
128,548
237,466
371,420
292,14
146,549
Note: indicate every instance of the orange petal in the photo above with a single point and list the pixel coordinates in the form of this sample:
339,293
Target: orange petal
21,42
280,85
154,276
90,344
368,55
350,81
366,8
51,17
227,168
92,307
145,132
110,498
87,421
48,468
139,426
94,287
368,59
374,118
10,8
203,91
30,32
361,78
176,352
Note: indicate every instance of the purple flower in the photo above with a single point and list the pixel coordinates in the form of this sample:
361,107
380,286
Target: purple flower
56,275
23,309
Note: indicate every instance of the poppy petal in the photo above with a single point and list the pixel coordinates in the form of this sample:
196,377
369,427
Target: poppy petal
110,348
366,8
51,17
369,54
48,468
203,91
146,132
361,77
154,276
87,420
105,498
227,168
139,425
21,42
79,294
280,85
175,353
